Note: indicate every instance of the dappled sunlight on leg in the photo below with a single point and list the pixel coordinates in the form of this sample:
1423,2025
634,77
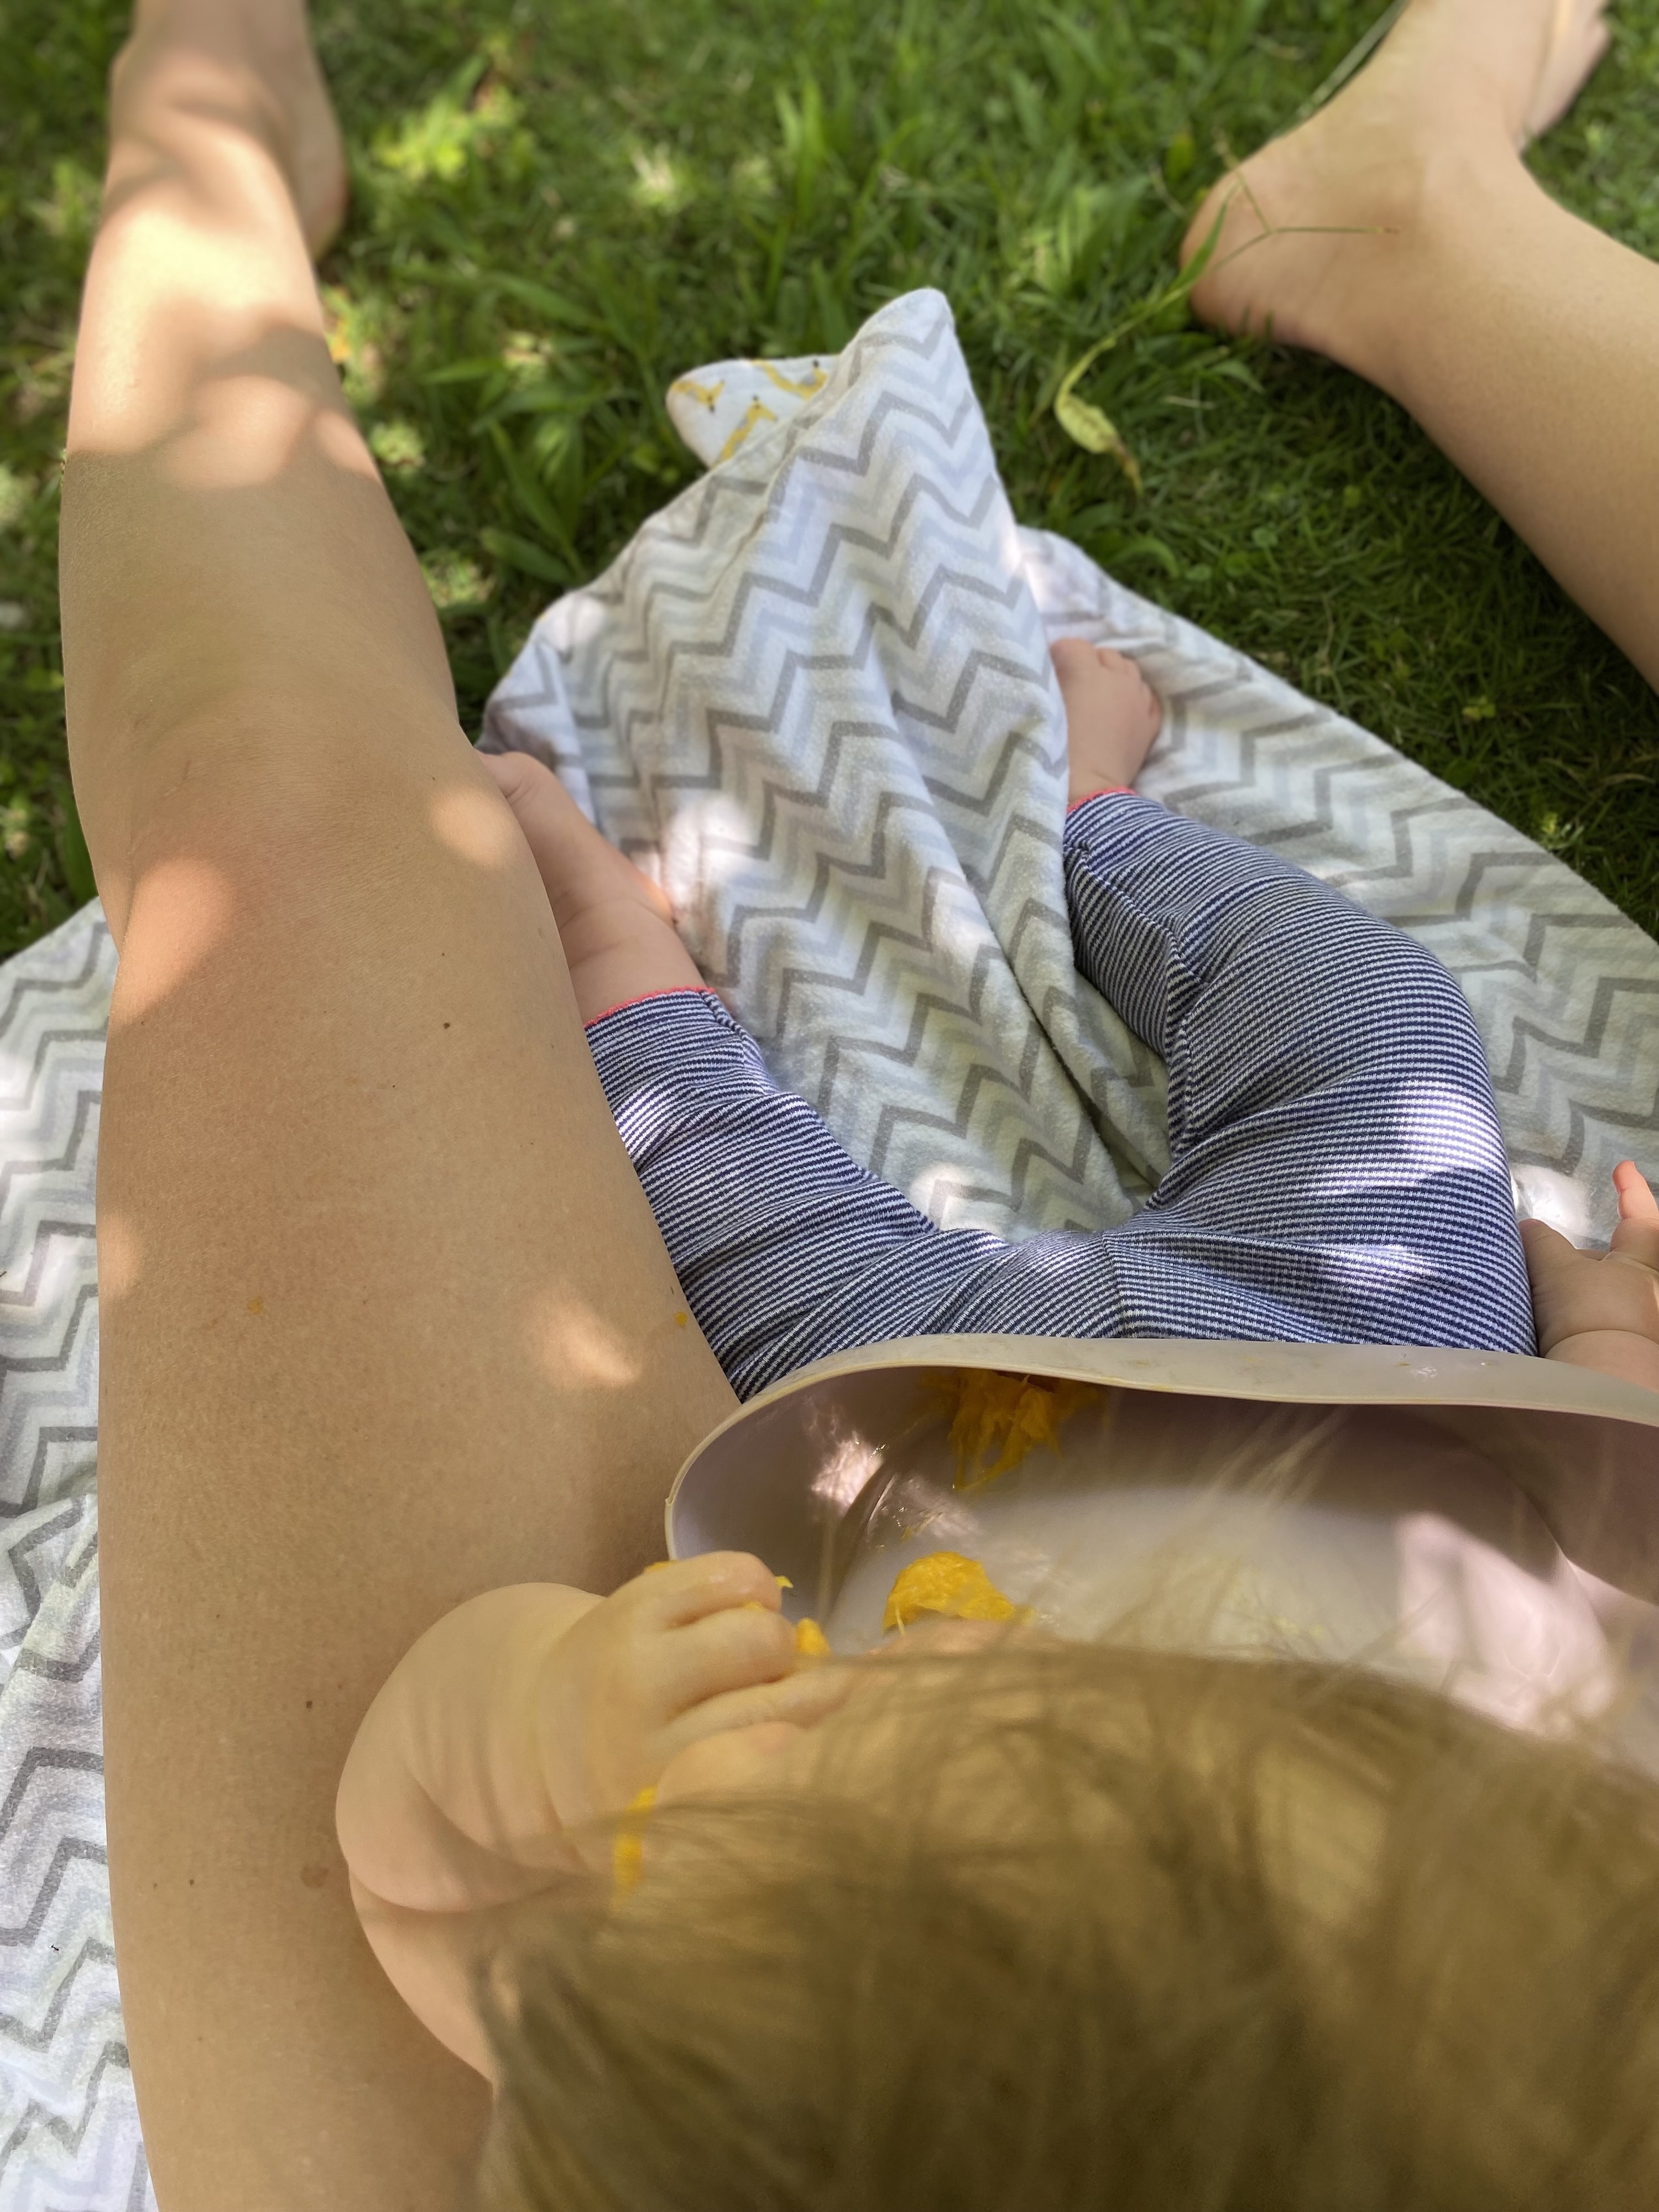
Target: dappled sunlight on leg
245,431
478,825
182,911
573,1344
248,429
120,1254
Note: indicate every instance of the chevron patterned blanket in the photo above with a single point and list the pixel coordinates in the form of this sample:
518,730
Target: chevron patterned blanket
813,696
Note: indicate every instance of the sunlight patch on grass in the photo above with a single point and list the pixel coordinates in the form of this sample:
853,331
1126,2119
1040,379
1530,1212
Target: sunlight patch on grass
661,184
398,447
69,211
16,493
456,580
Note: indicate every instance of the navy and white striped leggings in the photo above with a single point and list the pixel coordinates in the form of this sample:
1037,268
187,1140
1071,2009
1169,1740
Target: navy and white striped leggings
1337,1172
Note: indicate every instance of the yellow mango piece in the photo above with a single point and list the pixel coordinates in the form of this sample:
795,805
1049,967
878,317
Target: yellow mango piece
947,1583
810,1642
628,1849
1005,1415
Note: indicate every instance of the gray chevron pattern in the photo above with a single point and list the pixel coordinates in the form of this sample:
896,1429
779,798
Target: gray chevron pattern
69,2124
813,696
812,699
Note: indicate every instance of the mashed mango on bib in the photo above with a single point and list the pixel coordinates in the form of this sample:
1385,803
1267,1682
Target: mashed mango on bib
952,1585
1007,1416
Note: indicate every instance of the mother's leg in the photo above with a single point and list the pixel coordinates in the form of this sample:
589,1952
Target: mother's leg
386,1321
1522,340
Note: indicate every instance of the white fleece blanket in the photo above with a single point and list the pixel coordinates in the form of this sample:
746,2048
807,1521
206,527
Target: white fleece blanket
813,693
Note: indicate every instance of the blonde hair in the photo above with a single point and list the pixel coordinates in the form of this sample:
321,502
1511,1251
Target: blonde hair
1056,1927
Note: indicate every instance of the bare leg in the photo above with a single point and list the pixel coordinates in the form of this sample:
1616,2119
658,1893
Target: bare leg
1521,339
386,1322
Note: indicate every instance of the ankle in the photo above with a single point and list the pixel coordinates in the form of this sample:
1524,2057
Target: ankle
265,32
1452,205
172,76
1404,200
615,957
257,52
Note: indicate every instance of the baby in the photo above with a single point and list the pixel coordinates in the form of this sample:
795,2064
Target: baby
1337,1170
1336,1174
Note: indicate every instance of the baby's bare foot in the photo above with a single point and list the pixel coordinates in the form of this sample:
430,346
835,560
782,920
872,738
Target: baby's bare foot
1316,225
1112,716
615,925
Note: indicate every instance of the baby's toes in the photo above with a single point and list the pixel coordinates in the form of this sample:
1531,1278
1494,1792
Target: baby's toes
529,786
1134,695
560,836
581,870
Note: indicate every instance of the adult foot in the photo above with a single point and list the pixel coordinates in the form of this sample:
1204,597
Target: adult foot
1112,716
316,161
1315,225
267,45
615,925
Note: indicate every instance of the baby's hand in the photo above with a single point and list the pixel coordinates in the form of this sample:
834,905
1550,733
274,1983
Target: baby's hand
684,1651
529,1712
533,1711
1601,1309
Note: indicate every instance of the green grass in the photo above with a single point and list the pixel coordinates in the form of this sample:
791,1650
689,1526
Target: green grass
560,207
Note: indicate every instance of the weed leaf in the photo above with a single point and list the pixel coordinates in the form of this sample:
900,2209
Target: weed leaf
1094,431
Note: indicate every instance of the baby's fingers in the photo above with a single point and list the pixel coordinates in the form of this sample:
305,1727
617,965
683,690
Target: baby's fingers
802,1700
678,1592
736,1648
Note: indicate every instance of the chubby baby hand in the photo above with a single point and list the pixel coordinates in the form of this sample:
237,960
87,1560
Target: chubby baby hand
523,1717
686,1650
528,1713
1601,1309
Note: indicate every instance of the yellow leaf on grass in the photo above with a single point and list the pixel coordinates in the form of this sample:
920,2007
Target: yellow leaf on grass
1095,432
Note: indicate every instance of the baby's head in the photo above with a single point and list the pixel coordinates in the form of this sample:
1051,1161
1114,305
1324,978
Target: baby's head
1056,1925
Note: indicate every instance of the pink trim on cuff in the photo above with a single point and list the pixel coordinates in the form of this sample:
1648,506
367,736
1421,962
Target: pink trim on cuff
1106,790
669,990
